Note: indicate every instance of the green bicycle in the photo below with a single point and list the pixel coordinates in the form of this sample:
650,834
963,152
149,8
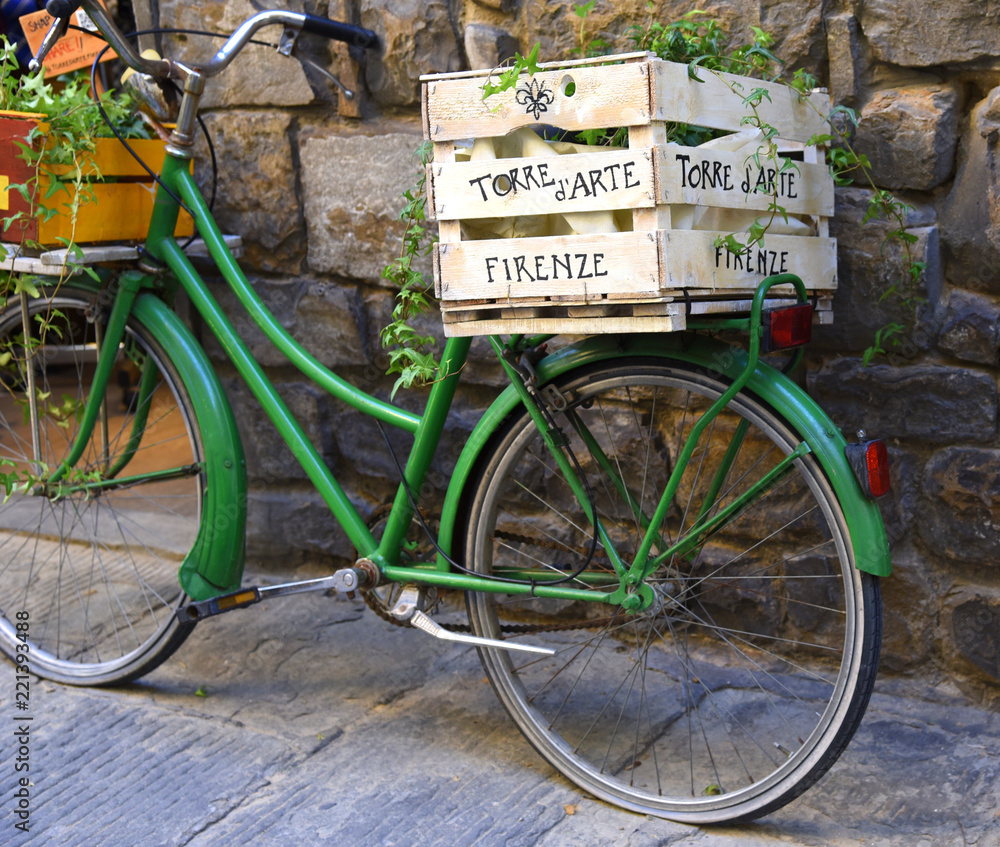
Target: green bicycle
669,559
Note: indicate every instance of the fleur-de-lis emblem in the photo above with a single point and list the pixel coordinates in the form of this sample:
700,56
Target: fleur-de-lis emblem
535,97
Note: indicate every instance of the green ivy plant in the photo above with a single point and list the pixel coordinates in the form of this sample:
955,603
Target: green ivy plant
67,143
411,355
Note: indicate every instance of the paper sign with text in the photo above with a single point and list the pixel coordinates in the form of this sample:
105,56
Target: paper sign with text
74,50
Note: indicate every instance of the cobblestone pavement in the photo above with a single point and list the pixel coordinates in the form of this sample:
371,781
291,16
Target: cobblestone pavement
321,724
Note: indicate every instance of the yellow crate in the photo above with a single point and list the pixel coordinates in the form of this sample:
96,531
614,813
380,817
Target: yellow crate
122,199
627,236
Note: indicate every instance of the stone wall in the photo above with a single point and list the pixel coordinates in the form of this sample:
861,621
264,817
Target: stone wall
314,195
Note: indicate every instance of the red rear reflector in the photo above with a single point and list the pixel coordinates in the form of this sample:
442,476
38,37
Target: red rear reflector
870,462
877,462
788,326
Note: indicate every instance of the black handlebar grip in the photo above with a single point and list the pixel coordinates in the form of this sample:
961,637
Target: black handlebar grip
62,8
353,35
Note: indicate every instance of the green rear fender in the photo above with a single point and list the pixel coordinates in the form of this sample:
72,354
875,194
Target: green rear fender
871,549
214,564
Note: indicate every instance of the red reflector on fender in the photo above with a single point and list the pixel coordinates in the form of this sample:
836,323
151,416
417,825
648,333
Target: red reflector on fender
870,462
788,326
877,462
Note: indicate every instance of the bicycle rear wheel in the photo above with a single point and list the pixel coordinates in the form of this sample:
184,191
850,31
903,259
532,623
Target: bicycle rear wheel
94,567
741,686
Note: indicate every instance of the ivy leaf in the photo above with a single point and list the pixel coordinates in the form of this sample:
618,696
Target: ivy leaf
35,92
25,283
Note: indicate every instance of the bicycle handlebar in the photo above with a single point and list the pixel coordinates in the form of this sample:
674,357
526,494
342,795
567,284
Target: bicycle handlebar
336,31
62,8
354,35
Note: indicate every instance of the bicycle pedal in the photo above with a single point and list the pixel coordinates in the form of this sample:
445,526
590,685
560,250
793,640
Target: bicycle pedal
345,581
217,605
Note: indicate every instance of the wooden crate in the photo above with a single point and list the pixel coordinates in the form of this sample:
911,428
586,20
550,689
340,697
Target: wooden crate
656,272
123,198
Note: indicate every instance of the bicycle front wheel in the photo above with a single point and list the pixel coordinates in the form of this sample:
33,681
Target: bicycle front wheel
748,676
89,569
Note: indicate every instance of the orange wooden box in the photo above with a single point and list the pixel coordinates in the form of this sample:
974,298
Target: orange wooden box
122,200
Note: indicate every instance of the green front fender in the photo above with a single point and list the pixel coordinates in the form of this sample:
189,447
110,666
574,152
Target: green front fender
214,565
864,522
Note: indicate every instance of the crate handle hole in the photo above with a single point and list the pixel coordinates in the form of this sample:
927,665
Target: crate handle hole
567,86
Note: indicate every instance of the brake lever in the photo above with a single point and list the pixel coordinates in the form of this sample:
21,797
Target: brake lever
59,28
297,54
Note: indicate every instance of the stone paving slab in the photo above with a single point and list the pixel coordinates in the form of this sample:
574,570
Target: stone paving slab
324,725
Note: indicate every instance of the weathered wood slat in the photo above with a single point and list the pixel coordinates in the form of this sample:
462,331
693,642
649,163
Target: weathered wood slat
693,261
575,326
479,73
601,97
583,266
500,188
672,306
732,180
713,103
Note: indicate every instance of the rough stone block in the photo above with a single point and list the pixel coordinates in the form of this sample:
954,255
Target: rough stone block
329,318
899,506
909,606
988,117
359,439
923,33
961,514
971,214
257,194
288,527
417,38
279,296
929,403
260,76
868,266
909,135
353,188
322,316
797,25
489,46
975,624
843,47
271,462
505,6
970,328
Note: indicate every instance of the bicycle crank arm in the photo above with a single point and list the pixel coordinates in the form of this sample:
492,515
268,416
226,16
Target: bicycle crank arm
407,608
345,581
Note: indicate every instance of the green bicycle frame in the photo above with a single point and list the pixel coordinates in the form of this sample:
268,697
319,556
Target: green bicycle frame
215,565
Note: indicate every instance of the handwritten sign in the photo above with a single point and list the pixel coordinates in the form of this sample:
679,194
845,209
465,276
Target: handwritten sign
73,51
